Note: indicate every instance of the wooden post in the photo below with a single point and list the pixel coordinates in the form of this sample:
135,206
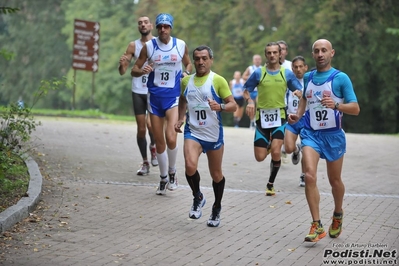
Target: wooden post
74,89
92,91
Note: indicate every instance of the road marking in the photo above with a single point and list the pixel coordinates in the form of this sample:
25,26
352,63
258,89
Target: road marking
236,190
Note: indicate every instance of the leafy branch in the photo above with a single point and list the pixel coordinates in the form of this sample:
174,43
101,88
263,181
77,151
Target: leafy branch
8,10
393,31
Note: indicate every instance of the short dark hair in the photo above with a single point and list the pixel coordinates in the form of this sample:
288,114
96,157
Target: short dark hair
273,44
204,47
283,42
279,49
299,57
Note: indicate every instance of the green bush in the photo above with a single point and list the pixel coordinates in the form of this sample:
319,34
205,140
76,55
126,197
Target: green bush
16,125
15,128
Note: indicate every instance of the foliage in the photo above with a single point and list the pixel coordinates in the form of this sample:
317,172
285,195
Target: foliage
393,32
6,54
14,179
16,125
34,36
9,10
235,30
90,113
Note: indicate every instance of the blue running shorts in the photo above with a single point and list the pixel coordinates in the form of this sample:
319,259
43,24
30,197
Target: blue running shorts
331,145
206,145
159,105
295,128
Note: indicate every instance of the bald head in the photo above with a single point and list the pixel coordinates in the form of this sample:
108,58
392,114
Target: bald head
323,43
323,53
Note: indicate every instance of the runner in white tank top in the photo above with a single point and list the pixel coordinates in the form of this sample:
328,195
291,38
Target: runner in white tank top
167,55
139,95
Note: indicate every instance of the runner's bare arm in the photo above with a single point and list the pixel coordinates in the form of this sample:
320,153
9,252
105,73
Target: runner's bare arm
137,70
126,58
187,62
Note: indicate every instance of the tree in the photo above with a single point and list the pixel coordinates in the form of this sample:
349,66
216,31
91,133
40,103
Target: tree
33,35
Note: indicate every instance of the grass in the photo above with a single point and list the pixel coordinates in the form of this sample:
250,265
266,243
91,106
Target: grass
14,181
91,113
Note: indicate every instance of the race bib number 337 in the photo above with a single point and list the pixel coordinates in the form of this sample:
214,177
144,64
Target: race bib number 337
270,118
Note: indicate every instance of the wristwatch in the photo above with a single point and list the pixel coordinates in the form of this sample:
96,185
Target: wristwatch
222,107
188,73
336,106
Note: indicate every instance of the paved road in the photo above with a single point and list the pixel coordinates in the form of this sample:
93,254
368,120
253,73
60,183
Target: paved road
96,211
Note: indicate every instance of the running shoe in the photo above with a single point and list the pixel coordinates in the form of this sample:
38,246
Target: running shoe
316,232
302,180
162,187
214,219
336,227
196,209
144,169
172,181
296,155
154,159
270,190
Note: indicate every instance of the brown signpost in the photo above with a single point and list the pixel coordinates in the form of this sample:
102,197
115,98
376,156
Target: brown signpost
86,38
86,45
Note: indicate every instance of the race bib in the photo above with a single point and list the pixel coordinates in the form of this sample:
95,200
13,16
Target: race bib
144,79
199,116
322,118
164,77
270,118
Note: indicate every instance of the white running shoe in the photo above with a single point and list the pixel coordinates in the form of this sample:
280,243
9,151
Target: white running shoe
144,169
302,180
196,209
162,187
154,159
214,219
296,155
173,181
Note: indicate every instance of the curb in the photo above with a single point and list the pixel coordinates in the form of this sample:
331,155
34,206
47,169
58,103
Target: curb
25,205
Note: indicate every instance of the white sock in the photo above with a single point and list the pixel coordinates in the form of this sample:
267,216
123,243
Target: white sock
163,163
172,156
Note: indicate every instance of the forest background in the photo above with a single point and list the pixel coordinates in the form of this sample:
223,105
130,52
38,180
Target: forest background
364,34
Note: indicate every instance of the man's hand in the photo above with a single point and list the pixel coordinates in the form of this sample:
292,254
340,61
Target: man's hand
178,126
148,69
250,109
124,61
298,93
293,118
214,105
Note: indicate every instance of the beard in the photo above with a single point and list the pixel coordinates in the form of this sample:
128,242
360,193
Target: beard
145,33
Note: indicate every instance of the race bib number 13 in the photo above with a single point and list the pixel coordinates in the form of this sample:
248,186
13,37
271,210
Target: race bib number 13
164,77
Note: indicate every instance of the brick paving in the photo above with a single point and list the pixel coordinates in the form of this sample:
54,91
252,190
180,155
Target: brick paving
98,212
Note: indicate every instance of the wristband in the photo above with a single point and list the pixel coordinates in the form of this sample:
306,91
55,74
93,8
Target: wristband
185,71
